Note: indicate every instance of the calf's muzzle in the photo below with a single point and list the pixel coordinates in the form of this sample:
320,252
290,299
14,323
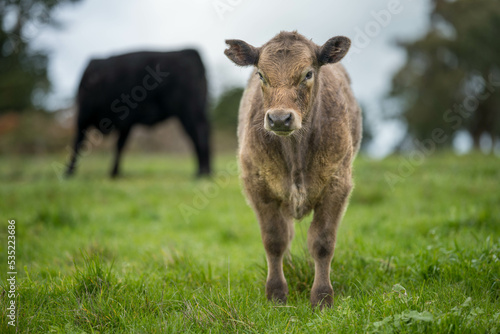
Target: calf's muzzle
280,121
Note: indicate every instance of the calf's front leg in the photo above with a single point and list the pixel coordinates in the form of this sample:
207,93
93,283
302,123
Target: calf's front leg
276,231
321,239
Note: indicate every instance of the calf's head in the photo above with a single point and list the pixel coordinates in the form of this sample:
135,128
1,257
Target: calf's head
288,68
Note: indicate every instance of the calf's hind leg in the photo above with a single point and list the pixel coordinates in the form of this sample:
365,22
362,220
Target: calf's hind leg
321,239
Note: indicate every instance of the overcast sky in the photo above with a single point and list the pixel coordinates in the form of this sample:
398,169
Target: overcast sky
96,28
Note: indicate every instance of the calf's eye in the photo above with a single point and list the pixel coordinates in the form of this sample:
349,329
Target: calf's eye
260,76
309,75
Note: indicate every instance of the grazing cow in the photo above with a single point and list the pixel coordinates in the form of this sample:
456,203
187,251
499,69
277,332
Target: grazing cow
299,131
144,88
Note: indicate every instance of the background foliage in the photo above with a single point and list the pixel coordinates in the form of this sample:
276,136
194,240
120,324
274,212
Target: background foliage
451,79
23,66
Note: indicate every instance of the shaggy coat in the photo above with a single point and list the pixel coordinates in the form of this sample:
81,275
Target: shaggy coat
299,131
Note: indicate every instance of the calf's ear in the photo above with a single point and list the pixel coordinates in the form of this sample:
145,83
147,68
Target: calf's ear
241,53
333,50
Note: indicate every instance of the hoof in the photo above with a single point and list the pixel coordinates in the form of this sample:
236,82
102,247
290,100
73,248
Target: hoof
277,291
203,173
70,171
322,297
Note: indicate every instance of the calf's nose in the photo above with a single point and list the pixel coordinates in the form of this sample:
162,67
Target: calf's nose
280,120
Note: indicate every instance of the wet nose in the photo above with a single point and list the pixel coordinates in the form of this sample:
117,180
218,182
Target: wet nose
280,120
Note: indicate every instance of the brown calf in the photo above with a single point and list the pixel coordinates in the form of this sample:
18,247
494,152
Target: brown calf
299,131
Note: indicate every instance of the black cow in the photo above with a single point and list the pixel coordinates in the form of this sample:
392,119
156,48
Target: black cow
144,88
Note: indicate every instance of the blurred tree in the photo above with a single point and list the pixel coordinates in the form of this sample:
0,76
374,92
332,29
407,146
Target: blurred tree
367,130
225,112
451,79
23,69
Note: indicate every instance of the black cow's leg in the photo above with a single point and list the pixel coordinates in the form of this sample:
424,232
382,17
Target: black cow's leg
199,132
122,139
203,148
74,156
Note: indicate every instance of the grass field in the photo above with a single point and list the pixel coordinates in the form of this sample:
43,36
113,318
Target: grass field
159,252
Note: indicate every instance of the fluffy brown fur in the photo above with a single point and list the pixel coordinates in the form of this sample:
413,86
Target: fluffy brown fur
287,176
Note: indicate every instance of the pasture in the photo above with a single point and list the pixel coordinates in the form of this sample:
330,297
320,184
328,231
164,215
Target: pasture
160,252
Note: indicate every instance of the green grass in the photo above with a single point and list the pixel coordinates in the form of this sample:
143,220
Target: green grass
160,252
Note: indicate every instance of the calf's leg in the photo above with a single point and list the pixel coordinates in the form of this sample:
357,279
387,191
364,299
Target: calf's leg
321,239
276,231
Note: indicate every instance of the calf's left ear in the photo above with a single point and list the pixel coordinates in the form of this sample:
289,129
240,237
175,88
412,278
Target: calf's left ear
333,50
241,53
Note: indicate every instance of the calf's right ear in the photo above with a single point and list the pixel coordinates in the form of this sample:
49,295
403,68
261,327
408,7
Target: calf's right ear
241,53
